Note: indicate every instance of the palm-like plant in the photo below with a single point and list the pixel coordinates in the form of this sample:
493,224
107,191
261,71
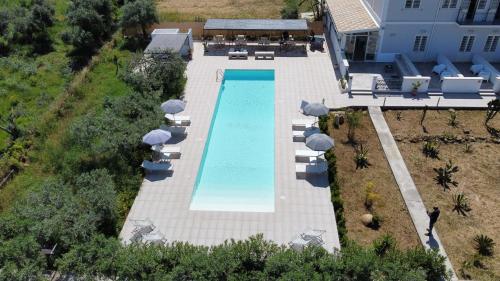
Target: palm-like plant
444,175
461,204
361,157
484,245
431,149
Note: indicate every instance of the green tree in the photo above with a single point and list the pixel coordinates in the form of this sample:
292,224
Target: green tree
139,14
91,22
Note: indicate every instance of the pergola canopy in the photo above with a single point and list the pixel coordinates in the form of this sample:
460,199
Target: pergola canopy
256,25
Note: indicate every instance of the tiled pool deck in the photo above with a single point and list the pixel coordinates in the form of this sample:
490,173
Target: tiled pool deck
299,204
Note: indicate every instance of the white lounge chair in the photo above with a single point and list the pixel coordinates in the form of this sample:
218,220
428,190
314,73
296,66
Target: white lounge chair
155,238
302,170
300,136
264,55
241,54
172,152
175,130
157,167
313,234
300,243
302,124
307,156
179,120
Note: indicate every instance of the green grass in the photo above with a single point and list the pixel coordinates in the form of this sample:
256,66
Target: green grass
93,85
34,81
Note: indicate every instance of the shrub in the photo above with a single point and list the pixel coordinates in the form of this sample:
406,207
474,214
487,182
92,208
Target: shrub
384,244
361,157
484,245
452,119
370,195
431,149
291,10
139,14
353,119
461,203
444,175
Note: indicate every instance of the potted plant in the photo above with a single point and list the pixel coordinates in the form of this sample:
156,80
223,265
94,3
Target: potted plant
415,86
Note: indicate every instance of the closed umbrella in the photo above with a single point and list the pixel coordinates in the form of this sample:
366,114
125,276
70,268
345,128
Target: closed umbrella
173,106
316,109
319,142
156,137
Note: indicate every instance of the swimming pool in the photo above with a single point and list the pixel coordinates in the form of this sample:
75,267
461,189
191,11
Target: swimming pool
237,168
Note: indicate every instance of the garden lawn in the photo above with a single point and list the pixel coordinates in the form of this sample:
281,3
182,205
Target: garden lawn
478,178
390,205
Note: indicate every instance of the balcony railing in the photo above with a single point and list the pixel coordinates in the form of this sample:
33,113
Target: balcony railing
487,18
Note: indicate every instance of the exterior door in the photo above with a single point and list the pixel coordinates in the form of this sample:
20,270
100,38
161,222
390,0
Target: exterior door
471,12
360,48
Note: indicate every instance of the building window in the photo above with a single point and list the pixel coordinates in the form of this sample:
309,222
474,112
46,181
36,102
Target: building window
420,43
412,4
450,4
467,43
491,43
481,5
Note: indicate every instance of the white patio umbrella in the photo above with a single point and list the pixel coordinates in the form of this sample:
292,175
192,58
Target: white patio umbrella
320,142
316,109
156,137
173,106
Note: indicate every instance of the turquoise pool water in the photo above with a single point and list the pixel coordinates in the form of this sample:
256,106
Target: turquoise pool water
237,168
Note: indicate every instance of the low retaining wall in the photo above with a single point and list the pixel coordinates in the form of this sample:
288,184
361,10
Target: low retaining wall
461,84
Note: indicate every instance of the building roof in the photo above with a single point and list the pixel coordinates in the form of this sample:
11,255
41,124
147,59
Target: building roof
256,24
161,42
351,16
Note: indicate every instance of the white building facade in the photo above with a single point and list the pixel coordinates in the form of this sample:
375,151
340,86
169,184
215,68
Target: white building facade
378,30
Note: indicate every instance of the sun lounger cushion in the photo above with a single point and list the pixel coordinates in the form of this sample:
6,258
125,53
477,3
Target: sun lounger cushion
445,74
307,153
485,75
439,68
476,68
302,124
302,135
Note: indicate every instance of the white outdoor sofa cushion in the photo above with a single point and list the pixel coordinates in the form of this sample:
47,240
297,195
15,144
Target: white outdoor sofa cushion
439,68
476,68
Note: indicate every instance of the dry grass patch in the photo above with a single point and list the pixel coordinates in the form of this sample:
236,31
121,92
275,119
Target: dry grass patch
389,205
190,10
478,179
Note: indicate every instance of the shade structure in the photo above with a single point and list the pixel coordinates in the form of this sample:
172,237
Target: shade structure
156,137
173,106
319,142
316,109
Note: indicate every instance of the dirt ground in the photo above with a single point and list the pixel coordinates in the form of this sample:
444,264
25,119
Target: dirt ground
189,10
478,178
396,219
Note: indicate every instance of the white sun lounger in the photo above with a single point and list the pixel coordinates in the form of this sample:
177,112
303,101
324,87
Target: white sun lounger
155,238
156,167
179,120
300,136
171,152
302,124
175,130
302,170
242,54
307,156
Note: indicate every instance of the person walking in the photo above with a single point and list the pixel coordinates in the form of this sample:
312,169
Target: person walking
433,217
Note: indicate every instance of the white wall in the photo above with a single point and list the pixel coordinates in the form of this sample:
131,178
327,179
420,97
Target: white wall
337,50
408,82
444,38
461,84
376,7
